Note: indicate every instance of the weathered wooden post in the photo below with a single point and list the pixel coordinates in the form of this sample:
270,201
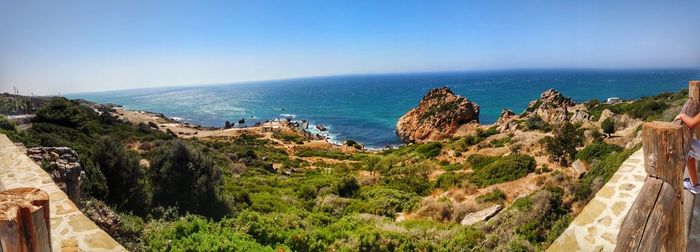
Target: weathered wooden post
655,220
24,220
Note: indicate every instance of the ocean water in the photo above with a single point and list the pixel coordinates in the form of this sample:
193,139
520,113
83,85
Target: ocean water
365,108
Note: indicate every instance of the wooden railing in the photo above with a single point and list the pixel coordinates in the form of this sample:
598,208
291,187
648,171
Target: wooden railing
659,219
24,220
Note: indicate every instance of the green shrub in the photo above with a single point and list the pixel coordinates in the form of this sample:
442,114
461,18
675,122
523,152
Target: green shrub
124,176
450,179
489,170
597,151
535,122
6,124
497,143
410,178
289,137
383,201
193,233
496,195
184,177
346,187
429,150
608,126
467,239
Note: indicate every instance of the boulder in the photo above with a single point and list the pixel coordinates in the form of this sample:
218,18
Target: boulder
552,107
581,116
482,215
438,115
63,165
580,168
505,121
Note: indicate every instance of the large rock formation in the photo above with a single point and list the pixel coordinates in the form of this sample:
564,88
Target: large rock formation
63,165
438,115
555,108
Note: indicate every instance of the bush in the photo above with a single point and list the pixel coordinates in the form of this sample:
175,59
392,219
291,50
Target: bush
429,150
184,177
289,137
608,126
535,122
450,179
346,187
123,174
597,151
489,170
411,178
645,108
496,195
6,124
383,201
194,233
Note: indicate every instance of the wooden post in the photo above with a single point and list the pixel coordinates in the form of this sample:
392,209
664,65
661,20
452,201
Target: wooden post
24,220
656,220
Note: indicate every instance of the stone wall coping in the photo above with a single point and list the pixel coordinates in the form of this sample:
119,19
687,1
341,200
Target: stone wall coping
597,226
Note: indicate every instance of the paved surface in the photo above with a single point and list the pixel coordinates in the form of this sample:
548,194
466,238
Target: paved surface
596,227
70,229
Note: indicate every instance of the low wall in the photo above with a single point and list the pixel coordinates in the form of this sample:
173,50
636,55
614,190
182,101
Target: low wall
597,226
70,229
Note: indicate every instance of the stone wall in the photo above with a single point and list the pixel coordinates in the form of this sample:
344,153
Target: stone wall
596,227
70,229
63,165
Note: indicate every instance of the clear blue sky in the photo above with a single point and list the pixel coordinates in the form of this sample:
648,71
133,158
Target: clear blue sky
73,46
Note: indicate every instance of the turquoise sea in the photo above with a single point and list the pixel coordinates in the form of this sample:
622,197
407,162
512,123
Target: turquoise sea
365,108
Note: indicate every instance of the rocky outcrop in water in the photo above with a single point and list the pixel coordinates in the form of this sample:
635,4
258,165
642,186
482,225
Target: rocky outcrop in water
439,115
63,165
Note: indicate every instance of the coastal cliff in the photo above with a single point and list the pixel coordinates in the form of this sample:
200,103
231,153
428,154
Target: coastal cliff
439,115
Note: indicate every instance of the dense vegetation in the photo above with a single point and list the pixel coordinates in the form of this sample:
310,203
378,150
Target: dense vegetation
646,108
245,193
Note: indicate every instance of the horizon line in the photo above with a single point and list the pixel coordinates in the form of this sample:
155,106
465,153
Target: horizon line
244,82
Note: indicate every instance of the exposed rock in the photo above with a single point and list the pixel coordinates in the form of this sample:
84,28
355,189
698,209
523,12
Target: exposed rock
580,168
482,215
505,121
438,115
580,116
605,115
102,215
63,165
552,107
635,141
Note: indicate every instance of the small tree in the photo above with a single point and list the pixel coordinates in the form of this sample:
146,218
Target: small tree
562,146
608,126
